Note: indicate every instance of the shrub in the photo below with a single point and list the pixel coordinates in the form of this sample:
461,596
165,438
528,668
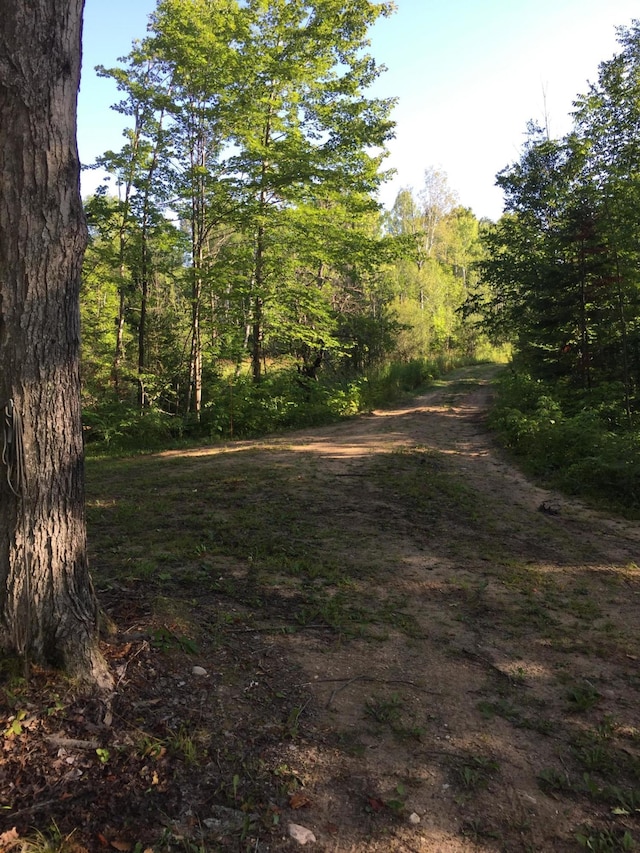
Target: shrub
570,445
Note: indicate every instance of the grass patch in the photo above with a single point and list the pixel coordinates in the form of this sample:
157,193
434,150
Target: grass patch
237,528
431,493
391,712
475,772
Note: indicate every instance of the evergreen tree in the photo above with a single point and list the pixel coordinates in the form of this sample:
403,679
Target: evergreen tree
562,264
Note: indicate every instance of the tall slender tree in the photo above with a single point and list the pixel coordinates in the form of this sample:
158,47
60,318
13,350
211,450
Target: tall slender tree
142,194
305,127
196,42
274,154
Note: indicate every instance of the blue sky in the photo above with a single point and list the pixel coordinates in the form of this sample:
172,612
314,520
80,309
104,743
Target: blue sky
468,74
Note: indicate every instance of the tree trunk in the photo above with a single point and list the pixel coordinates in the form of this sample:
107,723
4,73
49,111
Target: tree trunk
258,308
195,362
119,353
585,353
194,402
118,356
48,610
145,267
198,158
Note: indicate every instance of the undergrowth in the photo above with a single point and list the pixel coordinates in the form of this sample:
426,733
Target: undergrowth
236,407
580,444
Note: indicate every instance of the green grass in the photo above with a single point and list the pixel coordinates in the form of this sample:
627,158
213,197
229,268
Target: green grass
177,526
475,772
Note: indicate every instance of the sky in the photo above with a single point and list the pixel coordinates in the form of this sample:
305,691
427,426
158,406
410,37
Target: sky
467,74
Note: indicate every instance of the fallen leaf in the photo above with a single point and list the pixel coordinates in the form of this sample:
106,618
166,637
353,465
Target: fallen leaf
120,651
375,804
8,840
121,845
299,800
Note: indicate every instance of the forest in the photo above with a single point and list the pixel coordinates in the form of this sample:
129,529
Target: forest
560,275
241,276
377,635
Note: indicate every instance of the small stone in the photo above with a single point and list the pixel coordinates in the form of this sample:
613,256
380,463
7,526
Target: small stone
199,670
414,818
300,833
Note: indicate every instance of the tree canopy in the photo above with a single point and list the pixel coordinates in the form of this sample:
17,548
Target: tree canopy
562,265
252,130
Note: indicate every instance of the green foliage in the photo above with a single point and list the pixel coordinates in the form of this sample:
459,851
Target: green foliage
253,119
117,425
476,772
559,277
238,407
605,840
582,697
251,122
569,443
437,247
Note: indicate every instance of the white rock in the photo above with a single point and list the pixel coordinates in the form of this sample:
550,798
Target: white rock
300,833
198,670
414,818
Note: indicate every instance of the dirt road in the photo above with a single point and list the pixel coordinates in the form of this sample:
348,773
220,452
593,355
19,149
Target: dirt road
512,669
371,630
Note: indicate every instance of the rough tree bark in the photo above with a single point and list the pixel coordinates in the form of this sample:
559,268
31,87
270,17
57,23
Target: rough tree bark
48,610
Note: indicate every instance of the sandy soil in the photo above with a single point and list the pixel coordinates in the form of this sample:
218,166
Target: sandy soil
434,735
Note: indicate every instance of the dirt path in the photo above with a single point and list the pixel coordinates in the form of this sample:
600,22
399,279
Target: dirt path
516,610
400,644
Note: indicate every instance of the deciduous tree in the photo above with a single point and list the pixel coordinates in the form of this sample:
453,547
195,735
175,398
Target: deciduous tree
48,610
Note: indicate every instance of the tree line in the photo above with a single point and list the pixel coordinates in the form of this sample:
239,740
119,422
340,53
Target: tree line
561,273
561,281
240,229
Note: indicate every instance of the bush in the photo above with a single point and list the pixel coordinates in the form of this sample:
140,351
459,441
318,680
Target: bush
235,407
116,425
575,450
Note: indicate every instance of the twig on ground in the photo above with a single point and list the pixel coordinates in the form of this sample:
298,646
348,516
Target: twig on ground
71,743
36,807
279,629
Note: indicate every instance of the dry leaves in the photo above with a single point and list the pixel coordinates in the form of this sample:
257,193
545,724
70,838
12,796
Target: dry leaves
299,800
